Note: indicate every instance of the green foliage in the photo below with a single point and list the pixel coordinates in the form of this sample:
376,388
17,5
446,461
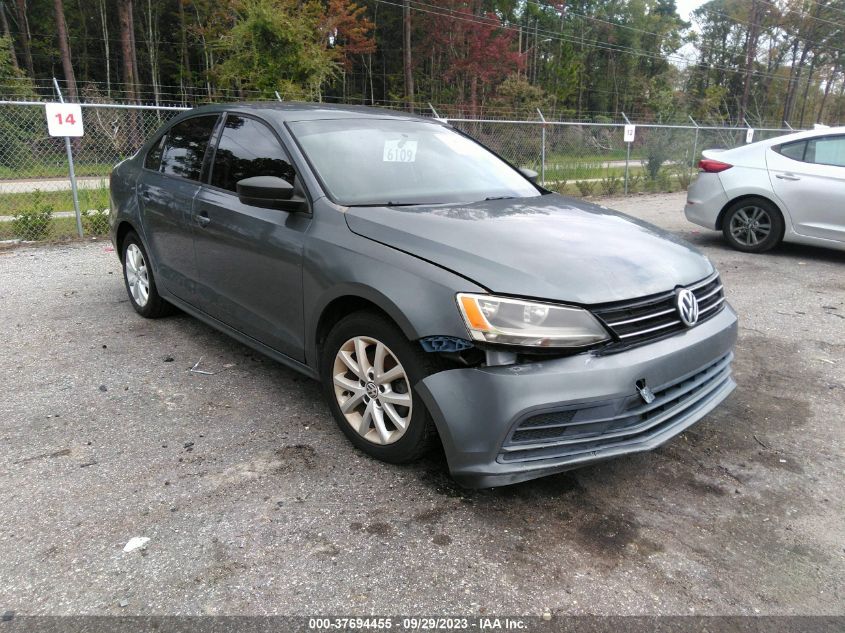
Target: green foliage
611,184
635,181
684,174
502,57
275,45
586,187
15,84
559,185
33,223
14,136
657,152
14,149
519,98
95,222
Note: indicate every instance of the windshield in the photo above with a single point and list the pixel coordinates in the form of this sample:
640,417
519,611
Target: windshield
376,162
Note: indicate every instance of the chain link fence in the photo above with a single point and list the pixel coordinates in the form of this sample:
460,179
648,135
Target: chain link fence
36,198
591,159
581,159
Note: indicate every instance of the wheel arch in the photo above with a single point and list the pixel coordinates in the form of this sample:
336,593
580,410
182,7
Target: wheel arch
346,301
750,196
123,229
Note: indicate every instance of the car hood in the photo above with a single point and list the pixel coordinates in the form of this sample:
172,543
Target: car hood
548,247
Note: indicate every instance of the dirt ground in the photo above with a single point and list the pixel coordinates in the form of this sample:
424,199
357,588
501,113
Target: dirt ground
254,503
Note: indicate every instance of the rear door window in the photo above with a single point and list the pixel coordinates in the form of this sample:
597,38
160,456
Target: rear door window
248,148
185,146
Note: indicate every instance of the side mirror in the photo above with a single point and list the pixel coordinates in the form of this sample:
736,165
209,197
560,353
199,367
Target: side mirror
529,173
269,192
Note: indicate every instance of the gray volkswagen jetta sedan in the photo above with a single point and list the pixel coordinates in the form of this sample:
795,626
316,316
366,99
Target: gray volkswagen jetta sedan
435,290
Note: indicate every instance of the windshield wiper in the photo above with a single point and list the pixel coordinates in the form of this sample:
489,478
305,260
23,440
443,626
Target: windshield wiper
499,198
410,204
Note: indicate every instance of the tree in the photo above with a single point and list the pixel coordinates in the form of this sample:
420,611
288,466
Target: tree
588,58
407,60
25,37
64,47
477,50
127,48
276,45
10,73
15,149
7,33
519,98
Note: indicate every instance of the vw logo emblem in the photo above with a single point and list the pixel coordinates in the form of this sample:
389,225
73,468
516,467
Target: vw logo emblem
371,390
687,306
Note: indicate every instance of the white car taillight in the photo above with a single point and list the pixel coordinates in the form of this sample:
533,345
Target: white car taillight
712,166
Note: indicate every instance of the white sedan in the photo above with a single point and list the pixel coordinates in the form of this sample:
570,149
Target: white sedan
790,188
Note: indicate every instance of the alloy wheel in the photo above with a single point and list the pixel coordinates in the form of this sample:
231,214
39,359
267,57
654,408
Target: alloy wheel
750,225
372,390
137,276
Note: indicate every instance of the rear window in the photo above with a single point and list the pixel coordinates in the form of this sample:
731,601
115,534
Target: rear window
153,158
795,151
185,146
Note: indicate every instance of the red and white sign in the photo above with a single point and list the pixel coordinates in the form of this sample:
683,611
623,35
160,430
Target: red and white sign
64,119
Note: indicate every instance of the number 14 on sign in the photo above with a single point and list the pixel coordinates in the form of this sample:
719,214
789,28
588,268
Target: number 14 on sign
64,119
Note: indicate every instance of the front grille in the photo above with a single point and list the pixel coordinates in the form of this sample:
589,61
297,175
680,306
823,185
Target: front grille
590,428
648,319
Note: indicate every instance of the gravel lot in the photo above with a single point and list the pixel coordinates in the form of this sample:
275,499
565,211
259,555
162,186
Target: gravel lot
254,503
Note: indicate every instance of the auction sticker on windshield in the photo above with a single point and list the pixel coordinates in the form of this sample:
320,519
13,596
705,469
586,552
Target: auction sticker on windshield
399,151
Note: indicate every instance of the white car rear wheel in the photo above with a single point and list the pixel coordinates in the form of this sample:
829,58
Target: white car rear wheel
753,225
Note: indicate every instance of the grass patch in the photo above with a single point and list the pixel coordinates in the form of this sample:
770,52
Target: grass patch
15,203
31,216
57,170
666,183
589,171
59,229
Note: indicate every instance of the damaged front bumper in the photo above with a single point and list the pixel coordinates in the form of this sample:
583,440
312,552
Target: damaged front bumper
502,425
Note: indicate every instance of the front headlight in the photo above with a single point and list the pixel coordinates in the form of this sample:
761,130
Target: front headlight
528,323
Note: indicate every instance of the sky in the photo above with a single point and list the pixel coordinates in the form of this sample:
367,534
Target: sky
685,7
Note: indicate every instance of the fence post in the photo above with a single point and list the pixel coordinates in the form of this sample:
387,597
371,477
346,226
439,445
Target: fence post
627,156
542,149
694,143
71,171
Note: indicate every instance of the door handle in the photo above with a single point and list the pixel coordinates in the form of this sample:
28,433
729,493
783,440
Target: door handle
787,177
202,219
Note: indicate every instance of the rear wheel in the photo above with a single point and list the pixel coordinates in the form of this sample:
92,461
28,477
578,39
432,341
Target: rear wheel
369,370
140,281
753,225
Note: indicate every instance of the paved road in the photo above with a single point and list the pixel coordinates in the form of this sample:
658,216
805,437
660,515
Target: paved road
254,503
52,184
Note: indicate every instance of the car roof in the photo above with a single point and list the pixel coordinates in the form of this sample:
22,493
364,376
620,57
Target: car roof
797,136
301,111
753,148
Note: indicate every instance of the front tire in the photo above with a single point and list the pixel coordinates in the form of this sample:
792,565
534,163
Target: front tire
369,369
140,281
753,225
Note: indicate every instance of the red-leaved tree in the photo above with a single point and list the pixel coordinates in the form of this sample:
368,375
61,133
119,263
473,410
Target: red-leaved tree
476,49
